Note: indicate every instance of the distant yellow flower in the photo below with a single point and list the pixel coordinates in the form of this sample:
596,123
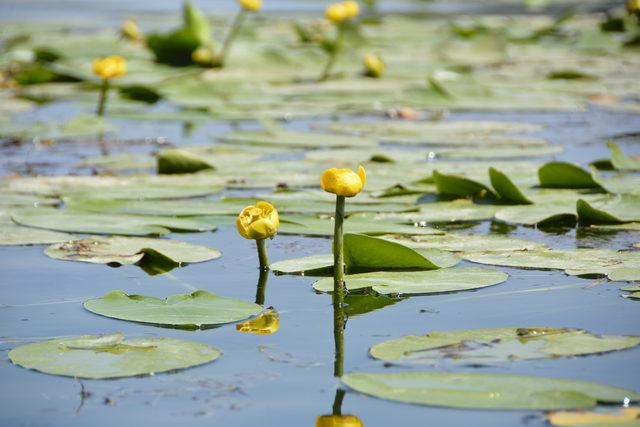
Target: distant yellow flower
336,13
258,222
251,5
373,64
352,8
633,6
203,56
582,418
267,323
130,30
343,182
338,421
110,67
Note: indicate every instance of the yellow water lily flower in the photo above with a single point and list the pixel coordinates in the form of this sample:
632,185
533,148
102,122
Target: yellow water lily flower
267,323
580,418
251,5
633,6
336,13
343,182
338,421
130,30
352,8
258,222
110,67
373,64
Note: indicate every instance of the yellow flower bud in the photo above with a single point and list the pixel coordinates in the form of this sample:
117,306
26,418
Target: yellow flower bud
338,421
343,182
267,323
336,13
258,222
130,30
110,67
373,64
251,5
352,8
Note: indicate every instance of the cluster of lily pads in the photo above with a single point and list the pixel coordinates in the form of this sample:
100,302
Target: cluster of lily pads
388,240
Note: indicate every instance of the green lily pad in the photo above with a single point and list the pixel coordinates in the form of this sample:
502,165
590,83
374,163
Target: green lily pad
282,138
506,189
419,282
366,253
486,346
460,210
461,186
94,223
609,210
577,262
486,391
538,214
458,242
313,226
111,356
618,183
631,226
198,310
565,175
621,161
131,250
180,161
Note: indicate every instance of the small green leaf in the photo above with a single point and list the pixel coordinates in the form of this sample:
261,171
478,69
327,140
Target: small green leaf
565,175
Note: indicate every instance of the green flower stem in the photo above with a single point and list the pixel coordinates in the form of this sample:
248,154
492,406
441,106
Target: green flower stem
338,287
102,101
337,47
231,35
337,402
262,286
262,254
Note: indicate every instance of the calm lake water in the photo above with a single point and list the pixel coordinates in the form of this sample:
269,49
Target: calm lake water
286,379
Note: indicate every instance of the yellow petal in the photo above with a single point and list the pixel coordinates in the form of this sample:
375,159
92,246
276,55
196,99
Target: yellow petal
266,323
338,421
362,174
351,8
262,229
575,418
336,13
342,182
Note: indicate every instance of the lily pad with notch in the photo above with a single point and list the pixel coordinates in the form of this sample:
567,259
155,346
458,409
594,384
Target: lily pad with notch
111,356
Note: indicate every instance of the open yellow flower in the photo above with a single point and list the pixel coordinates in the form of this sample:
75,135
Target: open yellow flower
267,323
110,67
258,222
338,421
343,182
336,13
251,5
373,64
352,8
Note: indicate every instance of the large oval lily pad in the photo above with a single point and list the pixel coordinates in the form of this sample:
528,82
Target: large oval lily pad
419,282
111,356
484,346
458,242
200,309
130,250
486,391
94,223
609,210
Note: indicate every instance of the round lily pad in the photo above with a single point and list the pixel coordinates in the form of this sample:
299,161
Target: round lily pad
111,356
486,391
201,309
482,346
419,282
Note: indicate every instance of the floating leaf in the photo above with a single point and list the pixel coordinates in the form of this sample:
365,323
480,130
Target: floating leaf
457,242
460,210
111,356
609,210
565,175
577,262
201,309
620,160
486,346
294,139
506,189
313,226
486,391
94,223
131,250
539,213
419,282
365,253
180,161
460,186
